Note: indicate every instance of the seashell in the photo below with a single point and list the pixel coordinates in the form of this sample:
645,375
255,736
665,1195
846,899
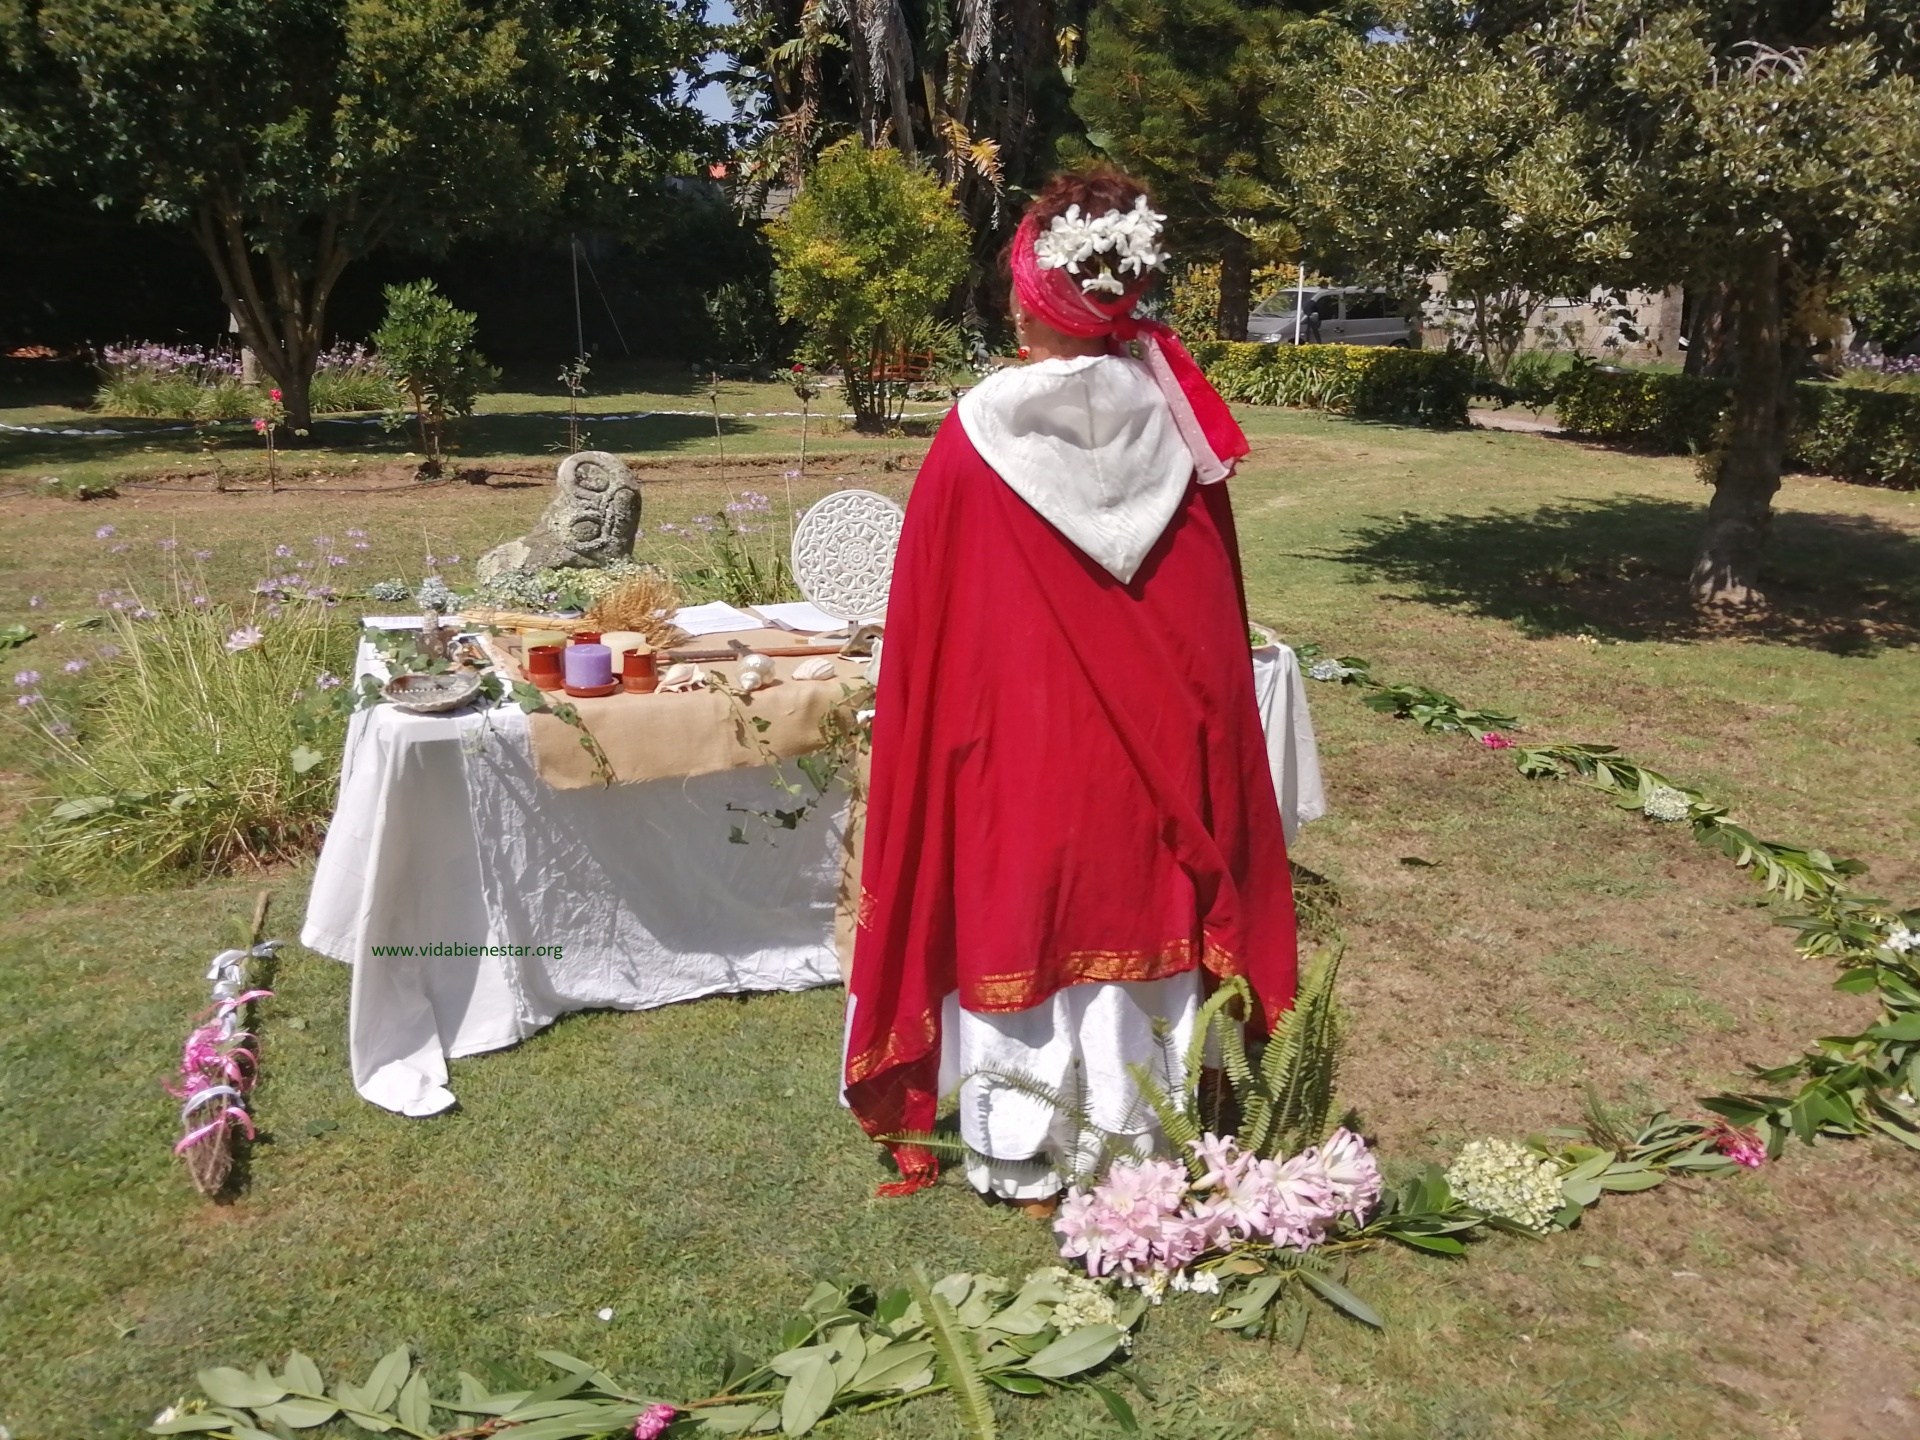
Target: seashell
756,661
818,668
751,680
682,678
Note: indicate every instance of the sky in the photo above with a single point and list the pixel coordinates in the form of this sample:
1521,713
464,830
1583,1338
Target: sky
711,100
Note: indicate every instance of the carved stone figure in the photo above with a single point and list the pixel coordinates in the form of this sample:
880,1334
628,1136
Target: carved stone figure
588,525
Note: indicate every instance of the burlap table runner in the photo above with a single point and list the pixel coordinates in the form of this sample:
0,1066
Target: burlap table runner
659,737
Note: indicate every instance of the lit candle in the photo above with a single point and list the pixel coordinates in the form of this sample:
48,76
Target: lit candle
588,666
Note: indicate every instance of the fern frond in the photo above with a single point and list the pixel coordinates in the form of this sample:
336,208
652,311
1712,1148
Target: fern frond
1179,1125
954,1349
1215,1011
1301,1062
1024,1083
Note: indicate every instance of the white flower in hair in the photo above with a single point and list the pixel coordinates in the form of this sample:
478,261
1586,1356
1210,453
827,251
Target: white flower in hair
1132,237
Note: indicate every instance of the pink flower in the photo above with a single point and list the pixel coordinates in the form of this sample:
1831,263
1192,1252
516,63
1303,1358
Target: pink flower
1496,742
653,1421
245,638
1350,1169
259,427
1738,1144
1301,1201
274,395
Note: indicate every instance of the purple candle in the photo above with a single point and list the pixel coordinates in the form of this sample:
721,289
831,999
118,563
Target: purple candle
588,666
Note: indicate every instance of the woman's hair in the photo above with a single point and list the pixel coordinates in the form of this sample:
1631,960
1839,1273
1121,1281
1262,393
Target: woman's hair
1095,191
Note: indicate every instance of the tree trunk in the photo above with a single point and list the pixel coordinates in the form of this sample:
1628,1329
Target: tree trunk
1751,447
1236,286
1709,330
285,324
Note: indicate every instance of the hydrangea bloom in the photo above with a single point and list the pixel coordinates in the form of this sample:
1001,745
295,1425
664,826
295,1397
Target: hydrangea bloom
1663,802
1502,1178
1327,670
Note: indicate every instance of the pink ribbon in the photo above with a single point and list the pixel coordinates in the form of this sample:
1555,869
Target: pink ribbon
1201,416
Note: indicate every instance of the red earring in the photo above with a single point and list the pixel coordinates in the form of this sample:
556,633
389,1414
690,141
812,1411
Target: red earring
1024,352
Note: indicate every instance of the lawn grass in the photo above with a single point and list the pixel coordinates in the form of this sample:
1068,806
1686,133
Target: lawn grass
690,1168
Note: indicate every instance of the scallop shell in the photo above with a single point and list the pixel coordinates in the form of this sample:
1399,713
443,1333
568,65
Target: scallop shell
681,678
818,668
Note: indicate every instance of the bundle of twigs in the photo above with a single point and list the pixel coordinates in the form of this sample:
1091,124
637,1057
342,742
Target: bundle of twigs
220,1065
643,603
482,615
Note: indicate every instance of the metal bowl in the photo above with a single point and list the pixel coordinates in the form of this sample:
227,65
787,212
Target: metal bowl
431,694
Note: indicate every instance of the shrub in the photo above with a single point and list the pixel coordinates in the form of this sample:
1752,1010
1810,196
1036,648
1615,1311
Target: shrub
427,346
1675,412
1869,437
193,756
350,377
869,252
1369,382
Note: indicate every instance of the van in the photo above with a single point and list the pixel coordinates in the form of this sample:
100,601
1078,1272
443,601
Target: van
1343,315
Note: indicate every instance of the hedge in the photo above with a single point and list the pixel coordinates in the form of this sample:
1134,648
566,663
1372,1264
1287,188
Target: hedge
1869,437
1369,382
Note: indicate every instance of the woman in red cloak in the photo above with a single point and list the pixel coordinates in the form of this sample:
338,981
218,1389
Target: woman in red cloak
1071,820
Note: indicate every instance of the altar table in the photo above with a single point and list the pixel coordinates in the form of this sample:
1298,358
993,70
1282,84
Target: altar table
530,902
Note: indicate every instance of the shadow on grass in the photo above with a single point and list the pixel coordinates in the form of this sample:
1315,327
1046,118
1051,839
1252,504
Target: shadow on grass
1618,567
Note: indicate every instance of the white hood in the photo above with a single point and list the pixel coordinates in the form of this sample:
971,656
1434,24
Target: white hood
1092,445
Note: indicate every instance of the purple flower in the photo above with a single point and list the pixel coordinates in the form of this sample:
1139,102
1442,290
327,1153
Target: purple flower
199,600
321,542
360,545
328,681
29,700
105,532
169,544
34,602
109,652
141,612
24,678
74,667
120,549
283,552
356,534
336,559
203,554
59,729
245,638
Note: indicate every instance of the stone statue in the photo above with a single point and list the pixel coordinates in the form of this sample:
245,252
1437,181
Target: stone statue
589,524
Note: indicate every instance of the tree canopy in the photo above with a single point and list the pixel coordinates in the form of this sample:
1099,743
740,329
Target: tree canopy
1749,149
293,136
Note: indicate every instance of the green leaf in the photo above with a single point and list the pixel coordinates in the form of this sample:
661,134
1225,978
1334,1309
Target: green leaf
303,1375
1117,1406
1642,1178
1337,1294
299,1413
304,758
227,1386
414,1407
1081,1350
1438,1244
82,808
1018,1384
731,1419
898,1366
809,1395
190,1424
387,1377
1907,1027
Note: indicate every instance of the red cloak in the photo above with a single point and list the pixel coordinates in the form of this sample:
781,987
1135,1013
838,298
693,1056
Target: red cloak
1069,780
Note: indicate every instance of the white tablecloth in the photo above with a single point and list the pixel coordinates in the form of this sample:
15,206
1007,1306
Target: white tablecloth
445,836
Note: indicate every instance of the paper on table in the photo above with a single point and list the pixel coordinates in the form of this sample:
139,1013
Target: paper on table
401,622
714,618
800,615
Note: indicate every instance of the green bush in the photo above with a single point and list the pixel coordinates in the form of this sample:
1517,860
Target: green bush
1868,437
189,755
1871,437
1369,382
426,345
1674,412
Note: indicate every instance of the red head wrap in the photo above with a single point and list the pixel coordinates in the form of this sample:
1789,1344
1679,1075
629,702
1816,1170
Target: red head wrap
1056,297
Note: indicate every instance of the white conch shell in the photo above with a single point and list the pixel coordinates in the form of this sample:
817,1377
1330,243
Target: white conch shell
751,680
818,668
756,661
681,678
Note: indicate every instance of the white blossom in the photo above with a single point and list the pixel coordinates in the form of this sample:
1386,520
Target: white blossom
1663,802
1505,1179
1132,237
1901,940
